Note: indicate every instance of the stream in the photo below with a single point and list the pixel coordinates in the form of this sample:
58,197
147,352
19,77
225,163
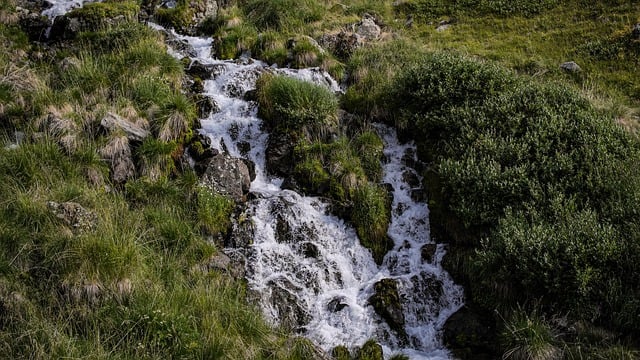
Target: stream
305,266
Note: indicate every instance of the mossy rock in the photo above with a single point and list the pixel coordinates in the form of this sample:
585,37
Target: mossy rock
386,302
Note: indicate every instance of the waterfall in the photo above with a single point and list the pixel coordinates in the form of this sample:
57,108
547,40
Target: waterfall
305,266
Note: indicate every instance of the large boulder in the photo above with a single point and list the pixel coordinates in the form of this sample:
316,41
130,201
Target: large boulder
227,175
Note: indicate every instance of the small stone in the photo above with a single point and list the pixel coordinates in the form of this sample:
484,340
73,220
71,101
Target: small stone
570,66
74,215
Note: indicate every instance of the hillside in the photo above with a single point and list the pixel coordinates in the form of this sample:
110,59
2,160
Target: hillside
111,247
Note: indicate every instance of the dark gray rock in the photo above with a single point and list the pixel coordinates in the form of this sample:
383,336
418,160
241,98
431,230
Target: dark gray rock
427,252
200,70
336,304
33,24
74,215
205,106
279,155
291,314
570,66
227,175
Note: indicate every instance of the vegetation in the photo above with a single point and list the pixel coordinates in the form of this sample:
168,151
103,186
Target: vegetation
129,275
535,184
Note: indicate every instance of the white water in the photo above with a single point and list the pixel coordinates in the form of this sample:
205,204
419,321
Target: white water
308,267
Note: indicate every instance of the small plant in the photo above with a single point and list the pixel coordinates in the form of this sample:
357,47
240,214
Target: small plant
214,212
529,337
371,215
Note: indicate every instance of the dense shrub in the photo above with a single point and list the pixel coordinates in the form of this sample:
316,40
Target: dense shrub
551,179
291,104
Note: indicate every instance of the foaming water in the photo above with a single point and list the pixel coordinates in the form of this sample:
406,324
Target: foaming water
306,266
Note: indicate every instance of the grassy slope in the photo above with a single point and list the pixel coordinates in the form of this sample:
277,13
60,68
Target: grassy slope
136,284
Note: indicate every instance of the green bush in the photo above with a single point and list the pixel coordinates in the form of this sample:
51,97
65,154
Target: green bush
294,105
548,180
281,14
529,336
370,71
371,215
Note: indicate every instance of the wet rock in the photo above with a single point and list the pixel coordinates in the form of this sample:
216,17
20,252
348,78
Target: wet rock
242,233
291,314
427,252
279,155
336,304
227,175
386,303
244,147
251,166
200,70
371,350
179,45
411,178
470,334
205,106
570,66
310,250
113,123
251,95
368,29
74,215
200,149
418,195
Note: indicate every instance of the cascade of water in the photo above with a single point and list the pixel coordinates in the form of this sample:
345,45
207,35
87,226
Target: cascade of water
307,267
